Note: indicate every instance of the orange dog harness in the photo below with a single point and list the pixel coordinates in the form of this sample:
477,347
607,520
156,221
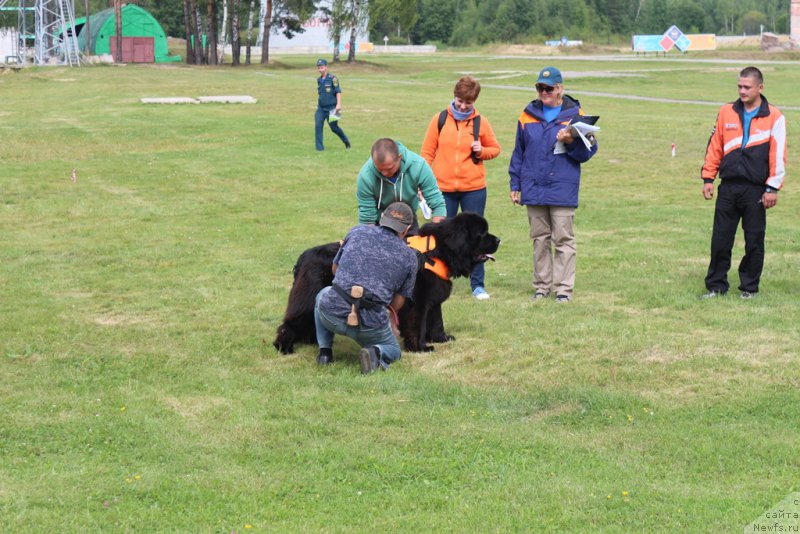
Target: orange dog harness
423,245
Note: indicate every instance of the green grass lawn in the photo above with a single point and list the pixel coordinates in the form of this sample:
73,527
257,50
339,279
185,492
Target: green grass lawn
140,392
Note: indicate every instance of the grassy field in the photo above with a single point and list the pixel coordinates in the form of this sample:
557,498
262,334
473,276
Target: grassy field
140,392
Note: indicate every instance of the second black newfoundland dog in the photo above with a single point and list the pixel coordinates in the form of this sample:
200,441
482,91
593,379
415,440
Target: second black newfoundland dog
460,244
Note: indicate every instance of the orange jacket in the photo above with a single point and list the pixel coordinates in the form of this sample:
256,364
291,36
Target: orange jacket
762,161
449,152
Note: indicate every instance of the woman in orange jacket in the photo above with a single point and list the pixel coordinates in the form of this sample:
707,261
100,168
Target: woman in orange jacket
457,142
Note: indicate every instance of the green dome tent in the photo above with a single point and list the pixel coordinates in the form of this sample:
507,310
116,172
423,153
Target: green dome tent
136,23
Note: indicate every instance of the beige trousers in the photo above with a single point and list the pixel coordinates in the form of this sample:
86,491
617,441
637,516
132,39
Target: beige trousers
553,248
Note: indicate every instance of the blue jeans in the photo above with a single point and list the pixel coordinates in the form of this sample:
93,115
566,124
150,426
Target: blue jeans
381,337
320,117
474,201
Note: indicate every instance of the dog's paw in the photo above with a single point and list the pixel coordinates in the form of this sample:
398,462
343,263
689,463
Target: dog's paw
418,348
283,349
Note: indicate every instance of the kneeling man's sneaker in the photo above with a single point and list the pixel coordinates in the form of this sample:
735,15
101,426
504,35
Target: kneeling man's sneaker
370,359
325,357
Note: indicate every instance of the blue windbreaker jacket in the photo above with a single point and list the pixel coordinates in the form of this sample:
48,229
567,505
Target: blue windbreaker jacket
547,179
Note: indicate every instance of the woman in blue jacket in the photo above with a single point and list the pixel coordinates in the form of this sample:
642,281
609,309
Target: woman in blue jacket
547,183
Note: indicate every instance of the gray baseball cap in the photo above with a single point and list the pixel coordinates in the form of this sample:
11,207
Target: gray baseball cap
397,216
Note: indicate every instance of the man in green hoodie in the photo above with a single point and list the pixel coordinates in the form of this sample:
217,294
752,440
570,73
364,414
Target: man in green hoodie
395,174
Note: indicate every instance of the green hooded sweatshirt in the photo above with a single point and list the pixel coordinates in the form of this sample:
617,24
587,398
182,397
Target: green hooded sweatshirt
414,174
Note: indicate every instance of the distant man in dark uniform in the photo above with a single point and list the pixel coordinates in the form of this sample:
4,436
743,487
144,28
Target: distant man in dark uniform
374,270
330,99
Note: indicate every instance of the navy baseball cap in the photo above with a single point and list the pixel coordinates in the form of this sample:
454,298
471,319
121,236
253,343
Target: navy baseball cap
550,76
322,62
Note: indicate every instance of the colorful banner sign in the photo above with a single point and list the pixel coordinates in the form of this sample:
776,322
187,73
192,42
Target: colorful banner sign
674,38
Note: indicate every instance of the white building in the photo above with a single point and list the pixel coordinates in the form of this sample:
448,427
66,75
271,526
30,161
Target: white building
9,45
315,37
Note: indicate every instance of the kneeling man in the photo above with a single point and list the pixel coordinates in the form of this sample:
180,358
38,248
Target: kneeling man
373,270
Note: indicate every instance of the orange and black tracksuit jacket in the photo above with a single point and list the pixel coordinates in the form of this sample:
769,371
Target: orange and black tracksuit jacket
762,161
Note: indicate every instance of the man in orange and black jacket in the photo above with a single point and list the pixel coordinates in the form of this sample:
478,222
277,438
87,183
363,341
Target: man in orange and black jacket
747,149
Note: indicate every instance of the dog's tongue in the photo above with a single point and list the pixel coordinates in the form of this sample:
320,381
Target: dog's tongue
487,257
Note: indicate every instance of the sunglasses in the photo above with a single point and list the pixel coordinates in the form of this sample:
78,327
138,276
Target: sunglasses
541,88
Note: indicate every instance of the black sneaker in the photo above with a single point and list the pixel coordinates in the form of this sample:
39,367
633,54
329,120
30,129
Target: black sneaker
347,146
325,356
370,359
747,295
712,294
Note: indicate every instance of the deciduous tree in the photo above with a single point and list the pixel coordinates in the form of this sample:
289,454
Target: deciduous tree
286,16
357,22
249,32
335,16
389,16
236,42
211,7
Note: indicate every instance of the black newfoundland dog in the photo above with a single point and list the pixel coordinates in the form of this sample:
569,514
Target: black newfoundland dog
461,243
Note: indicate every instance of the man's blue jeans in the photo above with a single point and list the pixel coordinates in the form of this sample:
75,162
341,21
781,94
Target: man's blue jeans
474,201
381,337
320,117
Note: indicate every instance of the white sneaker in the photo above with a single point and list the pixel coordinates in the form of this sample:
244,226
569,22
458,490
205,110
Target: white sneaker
480,293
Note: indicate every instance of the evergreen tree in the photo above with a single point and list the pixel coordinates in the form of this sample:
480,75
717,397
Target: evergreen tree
466,32
435,21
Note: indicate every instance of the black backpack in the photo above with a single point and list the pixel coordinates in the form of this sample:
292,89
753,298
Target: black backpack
476,131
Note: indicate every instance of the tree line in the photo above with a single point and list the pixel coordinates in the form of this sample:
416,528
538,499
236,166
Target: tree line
205,24
478,22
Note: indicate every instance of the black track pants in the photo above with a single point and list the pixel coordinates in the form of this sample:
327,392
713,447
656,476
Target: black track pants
735,202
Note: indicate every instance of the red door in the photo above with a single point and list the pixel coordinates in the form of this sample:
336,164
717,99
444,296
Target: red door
134,49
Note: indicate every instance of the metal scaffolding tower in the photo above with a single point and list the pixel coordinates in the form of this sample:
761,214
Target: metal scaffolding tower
47,25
